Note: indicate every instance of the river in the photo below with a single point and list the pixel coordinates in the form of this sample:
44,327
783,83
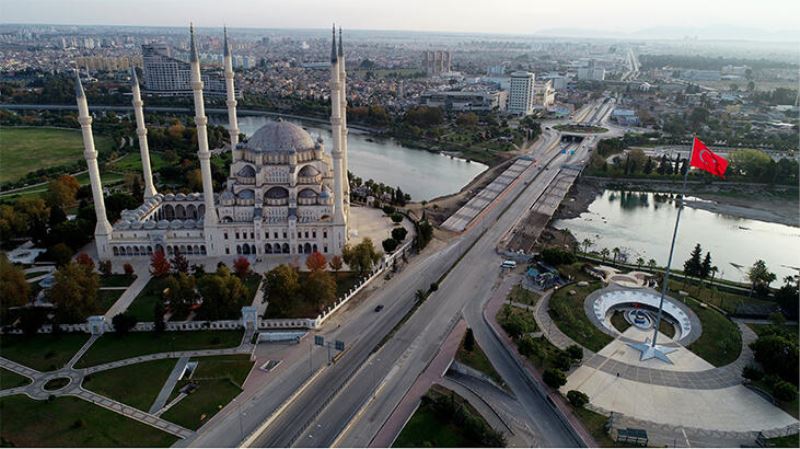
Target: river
641,224
421,174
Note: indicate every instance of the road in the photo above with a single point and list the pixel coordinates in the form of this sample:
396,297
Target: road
393,369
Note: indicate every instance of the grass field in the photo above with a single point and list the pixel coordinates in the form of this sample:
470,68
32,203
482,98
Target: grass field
43,352
134,385
567,312
477,359
10,379
787,441
218,381
523,295
108,178
720,343
595,425
23,150
107,298
132,162
72,422
144,304
112,347
724,300
116,280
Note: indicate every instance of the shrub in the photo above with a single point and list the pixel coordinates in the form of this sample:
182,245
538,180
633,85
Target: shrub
397,217
575,352
389,245
784,391
389,210
434,286
123,322
577,398
557,256
554,378
399,234
753,373
562,361
469,340
128,268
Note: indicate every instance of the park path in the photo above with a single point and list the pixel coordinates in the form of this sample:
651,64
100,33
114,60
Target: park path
127,297
169,385
243,349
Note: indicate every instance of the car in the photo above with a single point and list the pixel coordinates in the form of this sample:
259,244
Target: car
379,307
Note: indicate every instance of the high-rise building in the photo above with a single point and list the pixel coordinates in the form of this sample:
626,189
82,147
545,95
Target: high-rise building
436,62
167,75
520,96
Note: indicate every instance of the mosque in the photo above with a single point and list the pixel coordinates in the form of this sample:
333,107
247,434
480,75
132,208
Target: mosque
284,193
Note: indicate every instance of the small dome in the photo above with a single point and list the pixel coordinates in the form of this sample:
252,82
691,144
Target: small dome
308,170
158,196
176,224
226,195
149,225
246,194
169,197
189,224
196,196
307,193
276,193
279,136
247,171
163,224
325,194
180,197
136,225
123,225
199,224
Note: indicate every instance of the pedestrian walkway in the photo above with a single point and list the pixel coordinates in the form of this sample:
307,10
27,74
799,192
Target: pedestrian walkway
127,297
165,355
82,351
169,385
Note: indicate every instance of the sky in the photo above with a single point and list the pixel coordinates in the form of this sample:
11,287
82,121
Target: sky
485,16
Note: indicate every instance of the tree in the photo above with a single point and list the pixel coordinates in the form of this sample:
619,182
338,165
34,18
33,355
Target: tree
604,252
652,264
639,262
316,261
469,340
760,277
577,398
60,253
784,391
693,265
61,191
389,245
123,323
128,269
396,217
425,234
74,293
319,288
281,287
616,252
399,234
180,293
361,257
85,260
159,265
158,317
336,264
574,352
778,355
587,245
241,266
787,297
179,262
705,267
105,267
554,378
223,294
14,289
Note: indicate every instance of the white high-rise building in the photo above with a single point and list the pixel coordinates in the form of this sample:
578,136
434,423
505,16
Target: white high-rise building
284,193
520,95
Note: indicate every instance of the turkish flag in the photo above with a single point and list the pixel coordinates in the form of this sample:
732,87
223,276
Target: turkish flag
707,160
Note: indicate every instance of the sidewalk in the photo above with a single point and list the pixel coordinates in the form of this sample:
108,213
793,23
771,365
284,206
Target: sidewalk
125,300
433,373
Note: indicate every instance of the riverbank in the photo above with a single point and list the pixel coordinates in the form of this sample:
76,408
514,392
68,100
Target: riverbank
771,204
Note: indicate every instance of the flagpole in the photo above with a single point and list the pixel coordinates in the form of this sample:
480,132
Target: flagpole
672,247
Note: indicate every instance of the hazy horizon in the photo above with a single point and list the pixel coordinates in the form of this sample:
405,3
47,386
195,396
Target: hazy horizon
772,20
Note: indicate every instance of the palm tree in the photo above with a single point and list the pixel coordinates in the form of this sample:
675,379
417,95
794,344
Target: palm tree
587,244
652,264
616,254
713,270
604,253
639,263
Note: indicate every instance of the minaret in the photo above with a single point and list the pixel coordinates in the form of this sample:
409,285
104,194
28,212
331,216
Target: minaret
336,151
201,121
233,123
343,103
102,230
141,132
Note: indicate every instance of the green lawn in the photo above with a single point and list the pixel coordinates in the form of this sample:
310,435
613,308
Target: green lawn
23,150
218,381
595,425
108,178
112,347
428,427
523,295
724,300
116,280
132,162
621,324
787,441
144,304
720,343
135,385
107,298
477,359
790,329
43,352
72,422
10,379
567,312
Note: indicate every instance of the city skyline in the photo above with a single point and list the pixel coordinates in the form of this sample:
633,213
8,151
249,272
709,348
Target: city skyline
710,20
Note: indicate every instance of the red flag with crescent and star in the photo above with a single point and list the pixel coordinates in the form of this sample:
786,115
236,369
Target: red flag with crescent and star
705,159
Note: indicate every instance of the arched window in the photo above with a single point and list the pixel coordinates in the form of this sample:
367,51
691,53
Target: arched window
238,249
285,248
180,212
203,249
307,248
115,250
268,248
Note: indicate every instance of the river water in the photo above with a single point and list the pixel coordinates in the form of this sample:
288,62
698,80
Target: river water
641,224
421,174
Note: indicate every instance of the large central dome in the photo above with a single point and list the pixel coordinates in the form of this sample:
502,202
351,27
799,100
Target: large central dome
280,136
